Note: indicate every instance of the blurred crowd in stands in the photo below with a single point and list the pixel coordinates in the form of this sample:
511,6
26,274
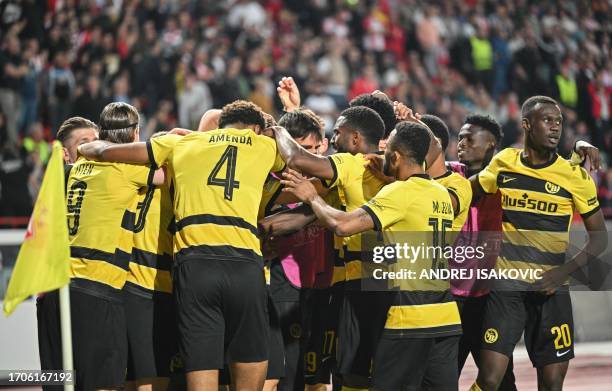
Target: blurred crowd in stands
175,59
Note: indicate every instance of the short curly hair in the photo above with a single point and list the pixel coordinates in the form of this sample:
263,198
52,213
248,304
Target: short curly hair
365,121
411,140
242,111
438,127
302,123
487,123
381,105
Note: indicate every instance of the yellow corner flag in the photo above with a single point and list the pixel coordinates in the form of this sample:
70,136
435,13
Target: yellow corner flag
43,261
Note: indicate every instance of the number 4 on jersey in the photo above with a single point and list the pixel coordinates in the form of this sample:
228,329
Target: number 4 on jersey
229,183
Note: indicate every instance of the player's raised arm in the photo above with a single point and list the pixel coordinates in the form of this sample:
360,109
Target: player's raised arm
300,159
105,151
339,222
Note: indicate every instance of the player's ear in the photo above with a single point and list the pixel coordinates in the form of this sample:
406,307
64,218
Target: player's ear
257,129
66,155
355,138
137,134
324,146
525,125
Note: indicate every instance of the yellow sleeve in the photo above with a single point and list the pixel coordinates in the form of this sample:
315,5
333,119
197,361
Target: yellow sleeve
342,164
462,190
138,175
387,207
488,176
160,148
584,193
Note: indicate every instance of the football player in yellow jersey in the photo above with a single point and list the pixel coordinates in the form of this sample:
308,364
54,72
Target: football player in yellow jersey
219,286
356,133
407,356
73,132
149,307
540,192
98,194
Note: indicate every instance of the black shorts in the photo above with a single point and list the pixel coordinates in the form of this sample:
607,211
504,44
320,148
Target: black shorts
471,310
151,330
49,334
547,321
361,323
414,364
321,324
276,360
222,312
99,341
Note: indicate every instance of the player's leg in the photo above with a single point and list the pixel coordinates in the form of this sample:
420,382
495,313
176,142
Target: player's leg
442,373
549,337
551,377
504,321
203,380
247,324
509,381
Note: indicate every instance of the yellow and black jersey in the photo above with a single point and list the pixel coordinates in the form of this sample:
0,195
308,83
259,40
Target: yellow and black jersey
333,199
422,307
538,203
355,185
149,224
271,190
218,179
98,196
459,188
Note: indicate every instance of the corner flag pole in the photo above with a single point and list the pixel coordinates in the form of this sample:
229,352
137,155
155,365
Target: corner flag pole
66,326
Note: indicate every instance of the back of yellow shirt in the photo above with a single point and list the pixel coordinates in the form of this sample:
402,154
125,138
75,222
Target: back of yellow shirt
218,179
416,212
148,225
97,198
460,188
355,186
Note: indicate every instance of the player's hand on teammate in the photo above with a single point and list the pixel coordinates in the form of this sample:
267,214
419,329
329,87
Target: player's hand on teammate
375,165
552,279
405,113
289,94
299,185
590,153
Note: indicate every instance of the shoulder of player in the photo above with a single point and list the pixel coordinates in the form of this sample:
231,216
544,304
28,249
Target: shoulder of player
508,155
574,175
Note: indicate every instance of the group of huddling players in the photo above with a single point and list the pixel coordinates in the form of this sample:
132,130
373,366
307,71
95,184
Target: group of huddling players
233,255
